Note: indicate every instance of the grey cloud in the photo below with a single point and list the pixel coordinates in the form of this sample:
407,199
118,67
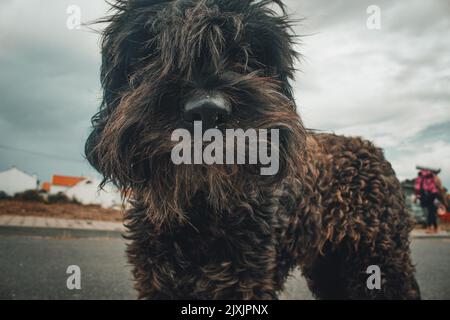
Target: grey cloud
439,132
49,85
390,85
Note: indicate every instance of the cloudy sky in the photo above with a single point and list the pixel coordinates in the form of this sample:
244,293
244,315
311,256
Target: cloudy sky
390,85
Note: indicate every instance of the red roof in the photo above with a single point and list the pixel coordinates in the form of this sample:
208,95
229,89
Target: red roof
66,181
46,186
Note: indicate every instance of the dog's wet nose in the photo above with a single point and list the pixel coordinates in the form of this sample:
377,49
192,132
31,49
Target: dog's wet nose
211,110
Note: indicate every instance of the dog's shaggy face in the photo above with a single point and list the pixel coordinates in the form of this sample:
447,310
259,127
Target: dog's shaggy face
157,56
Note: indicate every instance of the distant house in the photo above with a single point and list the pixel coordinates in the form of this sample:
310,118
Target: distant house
46,186
84,190
87,192
63,183
14,180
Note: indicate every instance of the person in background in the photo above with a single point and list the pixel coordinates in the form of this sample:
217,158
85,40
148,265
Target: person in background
428,189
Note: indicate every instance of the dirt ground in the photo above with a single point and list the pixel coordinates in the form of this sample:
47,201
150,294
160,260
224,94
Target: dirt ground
57,210
77,211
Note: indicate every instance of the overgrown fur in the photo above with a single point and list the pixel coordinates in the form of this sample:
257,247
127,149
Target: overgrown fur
224,231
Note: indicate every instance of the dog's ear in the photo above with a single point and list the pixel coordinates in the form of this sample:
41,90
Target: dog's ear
89,149
273,42
121,44
125,41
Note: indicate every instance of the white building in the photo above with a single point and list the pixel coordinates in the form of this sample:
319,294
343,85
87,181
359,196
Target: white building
14,180
87,192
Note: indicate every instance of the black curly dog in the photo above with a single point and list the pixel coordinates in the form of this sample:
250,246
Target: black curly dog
224,231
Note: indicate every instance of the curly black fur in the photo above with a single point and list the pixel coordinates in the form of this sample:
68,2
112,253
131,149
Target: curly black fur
223,231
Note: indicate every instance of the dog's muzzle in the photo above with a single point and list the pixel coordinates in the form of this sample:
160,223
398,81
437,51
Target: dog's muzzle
212,110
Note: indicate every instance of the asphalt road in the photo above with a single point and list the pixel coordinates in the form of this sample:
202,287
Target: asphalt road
34,267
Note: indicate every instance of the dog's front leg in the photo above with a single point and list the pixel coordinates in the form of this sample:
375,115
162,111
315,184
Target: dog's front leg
187,264
167,276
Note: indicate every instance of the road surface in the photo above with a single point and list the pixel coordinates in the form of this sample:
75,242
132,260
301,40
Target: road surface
33,266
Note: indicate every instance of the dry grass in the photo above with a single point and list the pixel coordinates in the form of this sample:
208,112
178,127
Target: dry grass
68,211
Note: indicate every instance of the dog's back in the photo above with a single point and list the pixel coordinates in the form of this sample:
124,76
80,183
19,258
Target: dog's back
363,219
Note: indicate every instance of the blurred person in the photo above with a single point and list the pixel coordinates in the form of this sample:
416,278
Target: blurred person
428,189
